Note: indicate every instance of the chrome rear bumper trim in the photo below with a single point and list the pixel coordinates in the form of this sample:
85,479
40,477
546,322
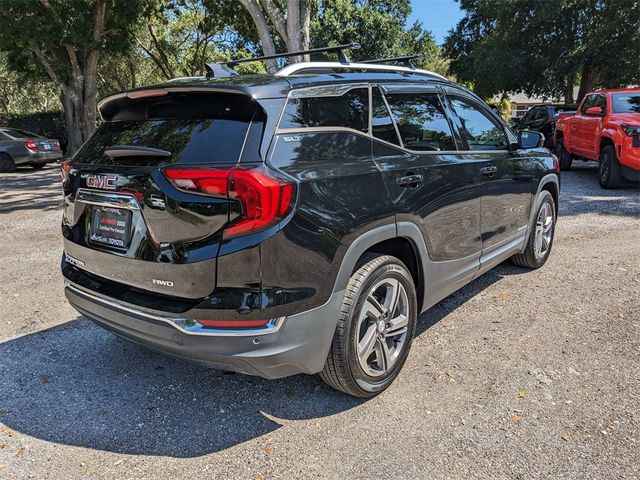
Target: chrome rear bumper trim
185,325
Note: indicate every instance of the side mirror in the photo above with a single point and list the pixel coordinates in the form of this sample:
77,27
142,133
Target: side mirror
595,111
530,139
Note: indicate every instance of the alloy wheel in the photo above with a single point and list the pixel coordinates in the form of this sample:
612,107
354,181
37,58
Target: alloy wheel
544,231
382,327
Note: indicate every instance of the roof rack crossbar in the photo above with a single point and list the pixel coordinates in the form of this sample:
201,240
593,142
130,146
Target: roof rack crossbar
406,60
338,50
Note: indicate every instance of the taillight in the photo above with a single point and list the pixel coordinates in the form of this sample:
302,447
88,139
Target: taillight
64,170
56,144
234,323
31,146
265,199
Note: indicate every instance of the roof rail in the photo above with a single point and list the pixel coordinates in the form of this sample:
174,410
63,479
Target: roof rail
225,69
298,68
406,59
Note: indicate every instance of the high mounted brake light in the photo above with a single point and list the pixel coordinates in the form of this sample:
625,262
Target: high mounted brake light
265,199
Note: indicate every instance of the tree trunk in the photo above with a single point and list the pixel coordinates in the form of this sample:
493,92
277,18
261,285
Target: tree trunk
258,17
586,81
568,89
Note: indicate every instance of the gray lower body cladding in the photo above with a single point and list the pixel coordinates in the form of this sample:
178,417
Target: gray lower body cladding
300,345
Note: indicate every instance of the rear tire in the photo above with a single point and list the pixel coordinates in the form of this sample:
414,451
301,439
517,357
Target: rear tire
541,234
609,174
375,328
564,157
6,163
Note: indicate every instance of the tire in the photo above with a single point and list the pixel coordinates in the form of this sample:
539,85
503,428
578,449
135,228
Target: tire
609,174
37,166
365,313
541,234
564,157
6,163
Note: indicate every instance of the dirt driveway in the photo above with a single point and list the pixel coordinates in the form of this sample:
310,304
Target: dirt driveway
518,375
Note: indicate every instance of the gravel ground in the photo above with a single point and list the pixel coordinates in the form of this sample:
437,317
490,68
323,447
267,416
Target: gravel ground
518,375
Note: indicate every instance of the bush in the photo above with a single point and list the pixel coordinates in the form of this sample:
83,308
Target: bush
47,124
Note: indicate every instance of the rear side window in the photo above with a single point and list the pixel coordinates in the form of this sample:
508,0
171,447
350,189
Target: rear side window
348,110
421,121
196,128
381,122
480,131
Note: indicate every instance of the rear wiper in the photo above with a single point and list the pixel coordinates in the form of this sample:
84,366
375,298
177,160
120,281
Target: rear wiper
115,151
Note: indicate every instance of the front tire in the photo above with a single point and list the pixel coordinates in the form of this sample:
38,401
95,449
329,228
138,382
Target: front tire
541,234
609,174
7,164
375,328
564,157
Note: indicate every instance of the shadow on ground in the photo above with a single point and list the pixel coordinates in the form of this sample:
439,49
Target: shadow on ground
76,384
28,189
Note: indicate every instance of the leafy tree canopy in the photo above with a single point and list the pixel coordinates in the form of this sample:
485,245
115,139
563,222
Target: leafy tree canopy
545,47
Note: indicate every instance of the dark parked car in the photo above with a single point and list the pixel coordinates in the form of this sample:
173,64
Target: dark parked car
297,222
543,118
19,147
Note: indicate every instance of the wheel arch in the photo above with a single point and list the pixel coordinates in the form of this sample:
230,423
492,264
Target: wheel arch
388,240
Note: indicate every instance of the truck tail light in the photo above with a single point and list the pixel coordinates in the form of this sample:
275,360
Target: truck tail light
265,199
31,146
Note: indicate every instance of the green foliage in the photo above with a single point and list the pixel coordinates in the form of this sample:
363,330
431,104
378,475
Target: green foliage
27,25
380,28
544,46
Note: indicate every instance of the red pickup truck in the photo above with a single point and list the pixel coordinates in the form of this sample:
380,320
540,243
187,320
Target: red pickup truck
605,129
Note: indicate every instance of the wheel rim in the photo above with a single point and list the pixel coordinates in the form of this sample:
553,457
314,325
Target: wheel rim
604,168
544,231
383,323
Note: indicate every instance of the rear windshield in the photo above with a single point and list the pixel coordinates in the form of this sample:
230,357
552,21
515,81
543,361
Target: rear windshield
19,134
626,103
196,128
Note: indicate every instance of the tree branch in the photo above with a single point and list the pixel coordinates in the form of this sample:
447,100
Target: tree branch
258,17
277,19
71,52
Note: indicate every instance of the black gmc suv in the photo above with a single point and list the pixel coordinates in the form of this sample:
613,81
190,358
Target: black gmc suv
297,222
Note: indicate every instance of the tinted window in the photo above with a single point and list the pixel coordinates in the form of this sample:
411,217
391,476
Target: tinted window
626,103
381,122
347,110
541,113
195,129
479,130
588,102
421,121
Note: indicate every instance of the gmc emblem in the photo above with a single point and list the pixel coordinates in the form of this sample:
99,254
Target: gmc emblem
106,182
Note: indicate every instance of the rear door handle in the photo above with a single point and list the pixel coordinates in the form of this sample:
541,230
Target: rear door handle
488,171
410,181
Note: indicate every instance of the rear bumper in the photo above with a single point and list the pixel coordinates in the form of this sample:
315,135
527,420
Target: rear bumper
290,345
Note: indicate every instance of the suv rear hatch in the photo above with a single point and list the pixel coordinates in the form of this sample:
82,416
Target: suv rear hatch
130,214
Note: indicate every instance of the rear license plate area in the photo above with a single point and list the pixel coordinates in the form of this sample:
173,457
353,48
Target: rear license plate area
110,227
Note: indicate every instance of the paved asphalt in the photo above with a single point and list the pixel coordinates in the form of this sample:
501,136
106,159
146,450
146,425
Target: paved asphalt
518,375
